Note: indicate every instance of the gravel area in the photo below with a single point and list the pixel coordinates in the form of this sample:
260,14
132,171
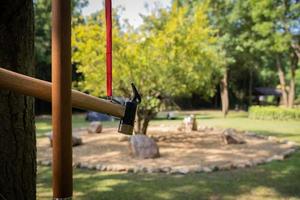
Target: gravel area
181,152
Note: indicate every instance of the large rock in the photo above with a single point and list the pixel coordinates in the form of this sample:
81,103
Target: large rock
76,141
123,138
143,147
230,137
95,127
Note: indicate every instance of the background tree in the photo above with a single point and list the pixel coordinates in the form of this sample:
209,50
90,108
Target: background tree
173,54
253,33
276,28
17,129
43,34
43,42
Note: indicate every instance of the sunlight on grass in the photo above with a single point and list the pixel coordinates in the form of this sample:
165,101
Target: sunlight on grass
43,124
276,180
260,193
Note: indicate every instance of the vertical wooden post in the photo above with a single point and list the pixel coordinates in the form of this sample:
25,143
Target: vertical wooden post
61,100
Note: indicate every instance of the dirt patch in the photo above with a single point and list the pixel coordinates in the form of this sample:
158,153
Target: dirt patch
188,152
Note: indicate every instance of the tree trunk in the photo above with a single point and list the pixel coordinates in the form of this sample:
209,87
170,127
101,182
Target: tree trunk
17,128
143,119
224,93
250,86
281,76
292,87
296,49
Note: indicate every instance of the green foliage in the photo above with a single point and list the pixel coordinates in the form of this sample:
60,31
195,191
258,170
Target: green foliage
274,113
298,85
173,54
43,34
275,23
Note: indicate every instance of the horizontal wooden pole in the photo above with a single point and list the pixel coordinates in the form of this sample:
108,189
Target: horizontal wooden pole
42,89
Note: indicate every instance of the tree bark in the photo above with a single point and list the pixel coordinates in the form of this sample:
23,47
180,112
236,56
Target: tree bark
281,76
250,86
224,93
17,128
296,49
143,118
292,88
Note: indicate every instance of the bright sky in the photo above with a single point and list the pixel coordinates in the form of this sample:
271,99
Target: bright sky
132,8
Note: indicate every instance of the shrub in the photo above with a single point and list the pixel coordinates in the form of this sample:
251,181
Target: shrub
274,113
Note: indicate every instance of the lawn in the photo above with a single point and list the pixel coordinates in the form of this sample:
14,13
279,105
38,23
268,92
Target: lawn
276,180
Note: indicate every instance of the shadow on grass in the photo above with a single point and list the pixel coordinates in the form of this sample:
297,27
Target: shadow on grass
274,180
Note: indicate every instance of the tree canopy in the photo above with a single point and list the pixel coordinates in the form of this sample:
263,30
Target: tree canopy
165,58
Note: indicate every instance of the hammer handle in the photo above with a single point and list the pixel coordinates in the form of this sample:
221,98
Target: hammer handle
42,89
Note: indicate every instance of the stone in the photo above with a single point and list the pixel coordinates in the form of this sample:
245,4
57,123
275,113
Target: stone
207,169
261,137
165,169
123,138
214,168
161,139
199,169
136,170
46,162
288,152
98,167
180,170
154,138
229,136
76,165
268,160
95,127
143,169
202,128
258,161
91,167
180,128
103,168
240,165
119,168
143,147
184,170
248,163
250,134
84,166
272,139
226,166
150,170
130,170
292,144
283,141
109,168
278,157
76,141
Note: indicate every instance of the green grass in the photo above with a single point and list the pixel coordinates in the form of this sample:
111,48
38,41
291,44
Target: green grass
43,124
276,180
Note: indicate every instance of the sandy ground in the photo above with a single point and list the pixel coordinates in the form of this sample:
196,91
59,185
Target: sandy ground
177,149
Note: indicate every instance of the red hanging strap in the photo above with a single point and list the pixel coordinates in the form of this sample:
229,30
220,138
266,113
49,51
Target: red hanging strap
108,48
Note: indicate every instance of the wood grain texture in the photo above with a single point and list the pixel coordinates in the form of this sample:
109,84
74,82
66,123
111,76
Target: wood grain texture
42,89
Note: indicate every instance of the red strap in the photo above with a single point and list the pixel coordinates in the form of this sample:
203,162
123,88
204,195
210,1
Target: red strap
108,48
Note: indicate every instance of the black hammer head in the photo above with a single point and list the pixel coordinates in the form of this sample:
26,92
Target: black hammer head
127,122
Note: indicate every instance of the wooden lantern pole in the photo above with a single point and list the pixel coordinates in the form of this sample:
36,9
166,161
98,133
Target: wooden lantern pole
63,97
62,182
